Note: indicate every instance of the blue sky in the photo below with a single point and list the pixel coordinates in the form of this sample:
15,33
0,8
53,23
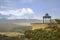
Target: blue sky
29,9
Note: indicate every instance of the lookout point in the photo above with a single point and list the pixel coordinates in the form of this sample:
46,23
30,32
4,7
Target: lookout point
46,19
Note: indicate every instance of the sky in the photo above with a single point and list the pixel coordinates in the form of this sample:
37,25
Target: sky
29,9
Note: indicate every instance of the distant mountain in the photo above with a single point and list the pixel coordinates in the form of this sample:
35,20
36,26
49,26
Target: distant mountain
17,25
20,20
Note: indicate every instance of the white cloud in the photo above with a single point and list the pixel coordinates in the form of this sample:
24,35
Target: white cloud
36,17
26,1
6,4
17,14
12,4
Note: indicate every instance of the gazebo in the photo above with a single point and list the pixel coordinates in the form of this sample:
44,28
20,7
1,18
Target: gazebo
47,17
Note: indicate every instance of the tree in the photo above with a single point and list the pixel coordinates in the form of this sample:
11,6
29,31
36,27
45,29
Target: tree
57,20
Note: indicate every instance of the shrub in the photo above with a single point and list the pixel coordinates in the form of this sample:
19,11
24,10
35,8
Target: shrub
40,34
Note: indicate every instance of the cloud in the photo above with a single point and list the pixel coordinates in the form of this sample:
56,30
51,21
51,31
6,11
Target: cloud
12,4
17,14
5,4
27,1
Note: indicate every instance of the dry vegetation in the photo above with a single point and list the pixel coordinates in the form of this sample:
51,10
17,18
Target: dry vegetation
11,34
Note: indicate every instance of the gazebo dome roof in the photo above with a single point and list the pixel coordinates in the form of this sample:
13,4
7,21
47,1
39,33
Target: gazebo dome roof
46,16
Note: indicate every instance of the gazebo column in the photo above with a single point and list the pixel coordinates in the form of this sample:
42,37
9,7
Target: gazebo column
43,20
50,20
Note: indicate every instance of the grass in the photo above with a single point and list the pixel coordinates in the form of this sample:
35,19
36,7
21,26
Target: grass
11,34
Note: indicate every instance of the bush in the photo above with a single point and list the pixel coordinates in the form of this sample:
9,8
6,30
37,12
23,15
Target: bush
4,37
57,20
40,34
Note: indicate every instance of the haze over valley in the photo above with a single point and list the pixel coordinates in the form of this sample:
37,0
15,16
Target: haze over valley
17,25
